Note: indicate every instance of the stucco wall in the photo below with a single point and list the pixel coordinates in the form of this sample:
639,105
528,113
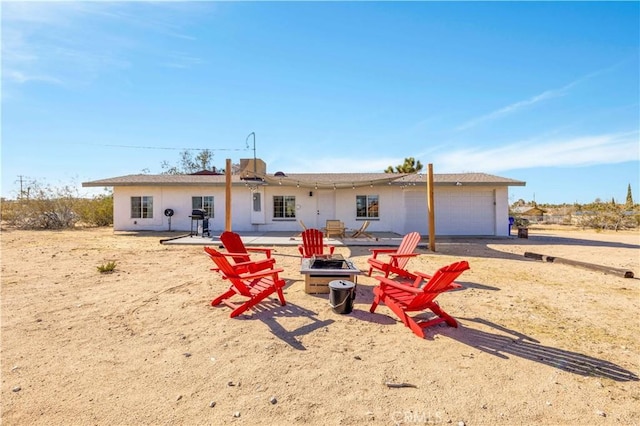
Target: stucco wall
401,210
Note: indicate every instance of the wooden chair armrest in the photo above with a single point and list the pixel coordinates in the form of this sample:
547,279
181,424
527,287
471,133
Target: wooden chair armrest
377,251
422,274
261,274
400,286
254,262
394,255
233,254
453,285
266,251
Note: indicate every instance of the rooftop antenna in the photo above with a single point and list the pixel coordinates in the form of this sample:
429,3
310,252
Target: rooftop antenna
255,172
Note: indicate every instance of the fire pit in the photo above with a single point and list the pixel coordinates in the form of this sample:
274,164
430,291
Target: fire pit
319,271
328,262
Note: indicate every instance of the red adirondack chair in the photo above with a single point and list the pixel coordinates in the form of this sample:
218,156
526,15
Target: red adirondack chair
313,243
402,295
395,260
253,287
241,254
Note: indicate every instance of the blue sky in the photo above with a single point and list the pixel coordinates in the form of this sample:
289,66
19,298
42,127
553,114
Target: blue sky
542,92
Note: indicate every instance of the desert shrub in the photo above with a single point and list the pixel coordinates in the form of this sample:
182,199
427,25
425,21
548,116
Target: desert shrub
603,216
107,267
97,211
45,207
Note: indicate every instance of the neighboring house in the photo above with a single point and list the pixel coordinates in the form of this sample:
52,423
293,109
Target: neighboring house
474,204
531,213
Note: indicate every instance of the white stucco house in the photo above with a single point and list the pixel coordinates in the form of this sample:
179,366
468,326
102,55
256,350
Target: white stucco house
465,204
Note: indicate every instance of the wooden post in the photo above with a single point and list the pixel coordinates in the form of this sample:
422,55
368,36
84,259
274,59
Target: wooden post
430,209
625,273
227,202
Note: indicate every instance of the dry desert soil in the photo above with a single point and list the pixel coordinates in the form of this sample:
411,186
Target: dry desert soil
537,343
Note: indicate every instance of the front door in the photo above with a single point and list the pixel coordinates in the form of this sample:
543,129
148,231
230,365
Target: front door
326,207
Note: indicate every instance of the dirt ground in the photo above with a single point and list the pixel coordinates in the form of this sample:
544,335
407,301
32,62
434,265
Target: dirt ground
538,342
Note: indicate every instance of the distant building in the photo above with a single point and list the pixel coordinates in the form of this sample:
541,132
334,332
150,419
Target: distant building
532,213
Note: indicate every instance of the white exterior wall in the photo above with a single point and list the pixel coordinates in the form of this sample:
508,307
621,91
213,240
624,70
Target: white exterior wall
459,210
168,197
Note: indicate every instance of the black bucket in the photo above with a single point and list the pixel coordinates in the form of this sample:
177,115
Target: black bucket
341,296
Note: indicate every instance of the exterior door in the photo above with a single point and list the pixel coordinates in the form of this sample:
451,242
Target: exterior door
258,215
325,207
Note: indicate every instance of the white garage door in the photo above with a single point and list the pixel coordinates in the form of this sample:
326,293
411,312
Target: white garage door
465,212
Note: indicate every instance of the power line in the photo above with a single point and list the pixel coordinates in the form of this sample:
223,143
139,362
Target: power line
169,148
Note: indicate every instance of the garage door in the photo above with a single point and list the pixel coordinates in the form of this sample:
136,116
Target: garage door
465,212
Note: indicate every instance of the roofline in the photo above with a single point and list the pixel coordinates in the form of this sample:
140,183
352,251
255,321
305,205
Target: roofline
311,181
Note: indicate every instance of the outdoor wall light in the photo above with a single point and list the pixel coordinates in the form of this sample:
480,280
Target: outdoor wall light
310,193
458,183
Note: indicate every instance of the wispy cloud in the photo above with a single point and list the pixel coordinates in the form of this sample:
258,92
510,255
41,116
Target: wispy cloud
517,106
578,151
570,152
72,43
181,60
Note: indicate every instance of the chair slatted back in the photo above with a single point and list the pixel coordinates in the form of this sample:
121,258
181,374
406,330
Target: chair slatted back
312,242
233,244
407,245
440,282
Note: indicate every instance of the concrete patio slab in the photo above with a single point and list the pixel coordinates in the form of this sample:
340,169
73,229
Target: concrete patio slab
267,239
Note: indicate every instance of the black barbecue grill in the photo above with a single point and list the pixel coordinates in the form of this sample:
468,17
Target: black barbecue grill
198,215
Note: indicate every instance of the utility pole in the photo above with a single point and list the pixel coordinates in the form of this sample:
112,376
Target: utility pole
21,177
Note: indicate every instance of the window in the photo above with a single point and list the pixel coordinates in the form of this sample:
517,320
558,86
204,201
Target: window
141,207
284,207
367,207
205,203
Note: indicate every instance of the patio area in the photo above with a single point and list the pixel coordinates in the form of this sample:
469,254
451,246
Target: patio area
286,238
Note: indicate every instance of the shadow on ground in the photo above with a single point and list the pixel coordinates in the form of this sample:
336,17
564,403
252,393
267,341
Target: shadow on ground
513,343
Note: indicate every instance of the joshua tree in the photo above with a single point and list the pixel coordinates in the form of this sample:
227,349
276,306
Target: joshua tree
409,166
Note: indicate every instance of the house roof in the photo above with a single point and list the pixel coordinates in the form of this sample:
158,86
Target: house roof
534,210
310,180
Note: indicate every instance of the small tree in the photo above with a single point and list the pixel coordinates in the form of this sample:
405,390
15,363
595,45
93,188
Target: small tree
190,164
629,203
409,166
